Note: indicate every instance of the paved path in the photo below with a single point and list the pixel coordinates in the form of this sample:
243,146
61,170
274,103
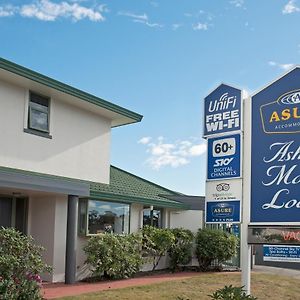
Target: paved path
277,271
57,290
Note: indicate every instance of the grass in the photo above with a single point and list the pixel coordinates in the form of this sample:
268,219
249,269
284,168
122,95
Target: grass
264,287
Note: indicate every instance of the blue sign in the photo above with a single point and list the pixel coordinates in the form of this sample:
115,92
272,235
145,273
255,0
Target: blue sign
281,253
222,110
223,211
275,163
224,157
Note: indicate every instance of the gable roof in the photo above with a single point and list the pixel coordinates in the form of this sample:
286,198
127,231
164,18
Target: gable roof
31,79
126,187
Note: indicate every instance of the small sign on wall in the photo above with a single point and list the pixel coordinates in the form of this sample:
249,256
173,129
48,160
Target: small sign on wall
281,253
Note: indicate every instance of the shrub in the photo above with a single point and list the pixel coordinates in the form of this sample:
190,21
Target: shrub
156,243
214,245
114,256
231,293
20,266
180,252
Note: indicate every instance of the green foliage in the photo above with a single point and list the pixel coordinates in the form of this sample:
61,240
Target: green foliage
114,256
214,245
231,293
180,252
20,266
156,243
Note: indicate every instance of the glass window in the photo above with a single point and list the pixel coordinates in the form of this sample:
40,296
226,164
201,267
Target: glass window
152,217
107,217
38,112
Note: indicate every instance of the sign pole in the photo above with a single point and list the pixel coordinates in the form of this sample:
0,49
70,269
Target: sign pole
245,248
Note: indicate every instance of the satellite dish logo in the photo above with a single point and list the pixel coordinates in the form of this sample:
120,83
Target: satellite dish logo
282,115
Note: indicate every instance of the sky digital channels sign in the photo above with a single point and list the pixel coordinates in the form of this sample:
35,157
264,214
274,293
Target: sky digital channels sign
222,110
275,152
224,157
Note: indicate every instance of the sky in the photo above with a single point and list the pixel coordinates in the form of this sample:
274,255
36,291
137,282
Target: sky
159,58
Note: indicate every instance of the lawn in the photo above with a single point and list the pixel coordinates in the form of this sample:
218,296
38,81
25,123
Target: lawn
264,287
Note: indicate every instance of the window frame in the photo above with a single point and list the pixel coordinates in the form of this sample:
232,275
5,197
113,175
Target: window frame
155,208
85,202
33,106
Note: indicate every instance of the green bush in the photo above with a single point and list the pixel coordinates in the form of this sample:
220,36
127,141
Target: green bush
20,266
114,256
214,245
156,243
180,252
231,293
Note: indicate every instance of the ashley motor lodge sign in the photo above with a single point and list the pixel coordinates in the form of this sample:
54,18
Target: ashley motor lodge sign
275,161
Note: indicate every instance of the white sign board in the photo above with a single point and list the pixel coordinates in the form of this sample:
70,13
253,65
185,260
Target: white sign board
224,190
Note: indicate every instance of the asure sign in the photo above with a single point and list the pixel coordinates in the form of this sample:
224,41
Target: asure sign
223,212
224,190
224,157
222,110
275,161
281,253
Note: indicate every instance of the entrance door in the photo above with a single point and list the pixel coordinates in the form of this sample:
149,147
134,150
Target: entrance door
13,213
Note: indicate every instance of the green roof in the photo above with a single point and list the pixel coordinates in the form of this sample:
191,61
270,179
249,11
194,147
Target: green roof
127,187
67,89
123,187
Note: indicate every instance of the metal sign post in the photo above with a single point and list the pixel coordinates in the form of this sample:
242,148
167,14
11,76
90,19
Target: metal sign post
245,247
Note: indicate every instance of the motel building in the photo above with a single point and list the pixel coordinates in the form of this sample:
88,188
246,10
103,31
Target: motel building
55,173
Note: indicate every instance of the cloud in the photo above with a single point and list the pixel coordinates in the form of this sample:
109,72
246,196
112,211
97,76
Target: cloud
143,18
290,8
237,3
176,26
283,67
144,140
179,153
46,10
7,11
200,26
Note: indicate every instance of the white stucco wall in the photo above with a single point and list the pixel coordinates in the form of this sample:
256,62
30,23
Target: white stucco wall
136,217
79,147
188,219
47,225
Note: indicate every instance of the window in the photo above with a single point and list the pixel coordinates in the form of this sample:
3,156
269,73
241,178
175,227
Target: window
38,113
13,213
152,216
100,216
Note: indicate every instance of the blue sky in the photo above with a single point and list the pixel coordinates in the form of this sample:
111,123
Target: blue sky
158,58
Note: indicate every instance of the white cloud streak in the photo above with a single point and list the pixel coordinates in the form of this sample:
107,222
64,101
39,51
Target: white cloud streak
180,153
143,19
290,8
46,10
283,67
237,3
200,26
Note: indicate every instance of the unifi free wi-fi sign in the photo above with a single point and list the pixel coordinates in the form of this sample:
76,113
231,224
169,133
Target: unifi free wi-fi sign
222,110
